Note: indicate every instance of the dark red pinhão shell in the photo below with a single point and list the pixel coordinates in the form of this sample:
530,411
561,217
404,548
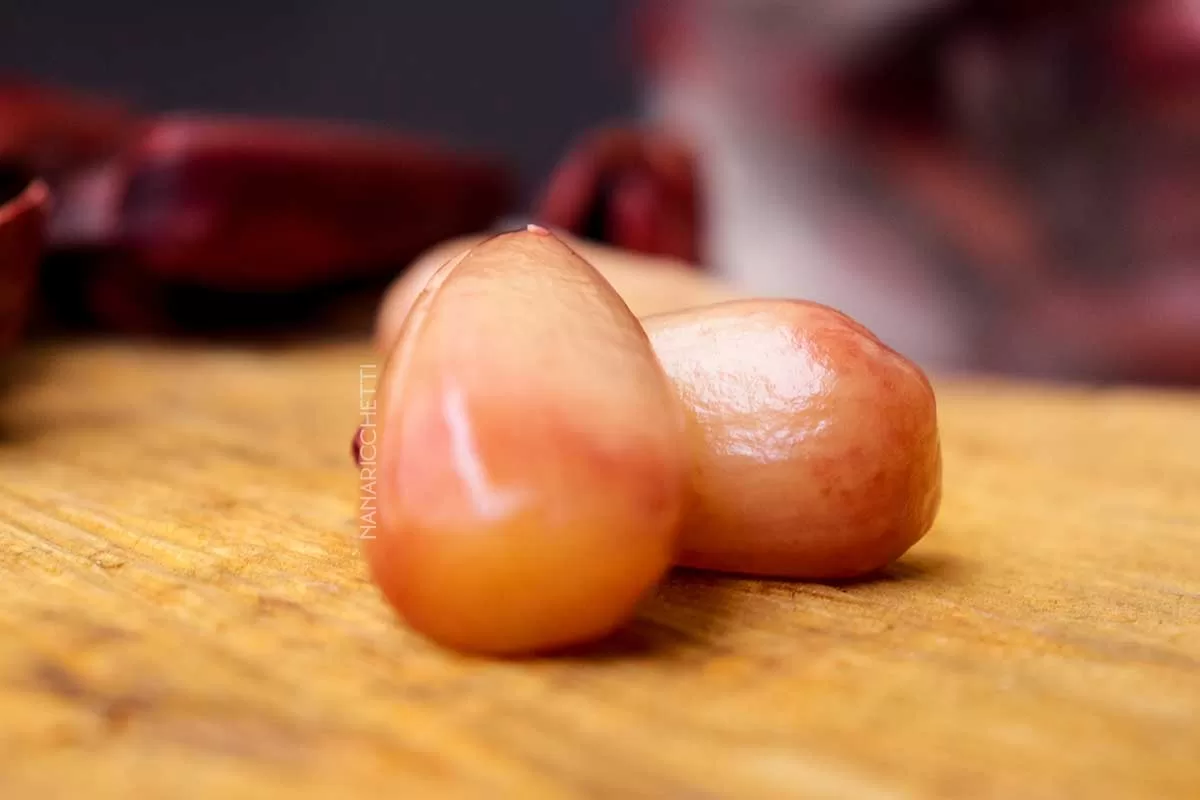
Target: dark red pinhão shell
23,206
634,189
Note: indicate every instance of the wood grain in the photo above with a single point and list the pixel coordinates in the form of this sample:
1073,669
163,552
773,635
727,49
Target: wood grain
184,614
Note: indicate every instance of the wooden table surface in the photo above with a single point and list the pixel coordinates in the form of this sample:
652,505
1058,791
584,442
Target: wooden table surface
183,613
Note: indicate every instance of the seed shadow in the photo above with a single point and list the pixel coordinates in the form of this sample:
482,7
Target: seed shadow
912,568
16,370
639,640
20,367
691,613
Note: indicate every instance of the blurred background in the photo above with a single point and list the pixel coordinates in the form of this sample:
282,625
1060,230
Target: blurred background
521,81
991,185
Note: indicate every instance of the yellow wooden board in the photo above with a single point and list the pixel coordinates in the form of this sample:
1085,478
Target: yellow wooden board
183,613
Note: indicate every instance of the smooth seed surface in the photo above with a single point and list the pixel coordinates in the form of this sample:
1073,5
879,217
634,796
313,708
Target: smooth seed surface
533,459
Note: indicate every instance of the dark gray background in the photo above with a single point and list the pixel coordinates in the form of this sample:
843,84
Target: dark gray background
520,79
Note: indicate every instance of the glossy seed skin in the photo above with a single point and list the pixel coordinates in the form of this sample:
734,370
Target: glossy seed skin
533,462
816,452
647,284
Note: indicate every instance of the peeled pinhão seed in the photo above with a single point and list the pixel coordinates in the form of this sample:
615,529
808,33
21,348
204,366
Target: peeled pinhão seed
647,284
532,461
816,452
815,447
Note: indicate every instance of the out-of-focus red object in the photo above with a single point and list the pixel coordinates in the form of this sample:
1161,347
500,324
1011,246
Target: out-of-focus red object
23,208
161,223
241,204
50,132
1030,166
1160,39
630,188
